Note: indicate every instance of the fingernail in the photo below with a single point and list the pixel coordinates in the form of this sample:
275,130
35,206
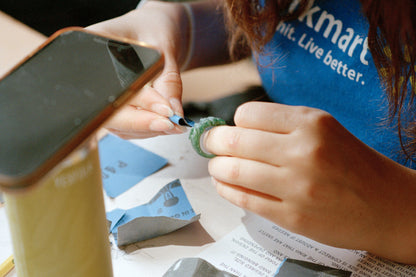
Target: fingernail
213,181
176,105
161,125
177,130
183,129
162,109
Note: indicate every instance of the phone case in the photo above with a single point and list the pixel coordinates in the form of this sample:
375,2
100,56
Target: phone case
13,182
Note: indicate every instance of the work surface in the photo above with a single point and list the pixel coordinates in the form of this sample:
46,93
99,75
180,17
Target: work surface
226,236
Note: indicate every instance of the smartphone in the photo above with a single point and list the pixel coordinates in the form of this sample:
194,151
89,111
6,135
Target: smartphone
55,98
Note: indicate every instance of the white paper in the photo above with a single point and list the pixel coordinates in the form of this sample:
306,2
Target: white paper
257,247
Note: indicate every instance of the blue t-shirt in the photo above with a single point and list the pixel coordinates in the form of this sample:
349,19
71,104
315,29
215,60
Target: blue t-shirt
322,60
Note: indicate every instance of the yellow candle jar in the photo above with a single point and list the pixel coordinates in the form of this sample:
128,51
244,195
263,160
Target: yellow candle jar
58,226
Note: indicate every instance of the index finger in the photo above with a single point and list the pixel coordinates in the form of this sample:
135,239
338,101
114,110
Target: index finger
271,117
149,99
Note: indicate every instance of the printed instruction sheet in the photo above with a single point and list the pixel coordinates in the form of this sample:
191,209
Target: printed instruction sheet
257,247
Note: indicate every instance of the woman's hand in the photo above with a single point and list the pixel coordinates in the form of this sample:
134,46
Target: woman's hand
161,25
300,168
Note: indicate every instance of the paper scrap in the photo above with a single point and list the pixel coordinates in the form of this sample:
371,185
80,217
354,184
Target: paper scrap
193,267
292,267
166,212
124,164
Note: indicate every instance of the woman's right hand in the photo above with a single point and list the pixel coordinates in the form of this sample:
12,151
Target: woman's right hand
161,25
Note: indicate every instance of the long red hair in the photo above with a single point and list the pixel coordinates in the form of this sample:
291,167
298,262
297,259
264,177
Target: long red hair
391,40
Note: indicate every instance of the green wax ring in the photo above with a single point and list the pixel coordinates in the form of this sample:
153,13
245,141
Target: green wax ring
199,128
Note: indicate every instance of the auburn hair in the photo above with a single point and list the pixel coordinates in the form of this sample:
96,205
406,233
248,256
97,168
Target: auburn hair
391,40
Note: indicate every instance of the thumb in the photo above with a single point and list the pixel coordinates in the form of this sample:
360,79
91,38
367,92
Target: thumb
169,85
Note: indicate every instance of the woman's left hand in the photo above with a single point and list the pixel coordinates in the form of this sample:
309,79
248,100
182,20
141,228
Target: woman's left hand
301,169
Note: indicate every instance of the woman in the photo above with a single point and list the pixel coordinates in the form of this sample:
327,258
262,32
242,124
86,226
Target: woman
332,158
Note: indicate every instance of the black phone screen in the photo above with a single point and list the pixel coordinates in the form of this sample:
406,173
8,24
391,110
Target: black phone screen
54,94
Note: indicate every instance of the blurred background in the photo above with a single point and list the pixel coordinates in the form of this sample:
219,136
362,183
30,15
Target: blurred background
47,16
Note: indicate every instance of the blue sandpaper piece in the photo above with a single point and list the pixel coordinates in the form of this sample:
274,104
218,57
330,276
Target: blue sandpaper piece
182,121
167,211
124,164
115,216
